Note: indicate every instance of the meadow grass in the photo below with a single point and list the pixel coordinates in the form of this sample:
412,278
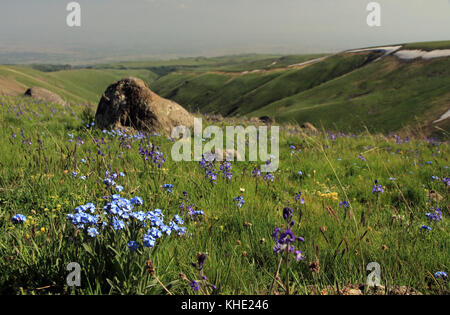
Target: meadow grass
38,157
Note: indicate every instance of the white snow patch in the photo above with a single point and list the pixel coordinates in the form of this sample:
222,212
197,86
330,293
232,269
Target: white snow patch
307,62
414,54
387,49
443,117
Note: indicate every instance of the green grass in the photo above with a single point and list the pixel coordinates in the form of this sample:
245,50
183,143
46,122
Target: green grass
383,96
343,92
241,94
76,86
35,180
428,45
232,63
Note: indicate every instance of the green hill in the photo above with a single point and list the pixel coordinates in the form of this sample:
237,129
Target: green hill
349,91
384,96
76,86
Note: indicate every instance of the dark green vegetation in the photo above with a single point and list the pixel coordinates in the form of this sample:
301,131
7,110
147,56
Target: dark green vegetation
38,157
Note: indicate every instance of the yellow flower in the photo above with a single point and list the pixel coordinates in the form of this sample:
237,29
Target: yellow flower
43,229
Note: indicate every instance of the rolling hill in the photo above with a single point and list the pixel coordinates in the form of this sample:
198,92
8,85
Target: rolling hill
370,88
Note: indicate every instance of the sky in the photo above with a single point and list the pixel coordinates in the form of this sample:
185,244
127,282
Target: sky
216,27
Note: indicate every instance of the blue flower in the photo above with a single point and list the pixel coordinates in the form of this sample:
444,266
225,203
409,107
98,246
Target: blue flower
133,245
149,241
168,187
137,201
154,232
118,224
256,172
165,229
177,219
93,232
18,218
440,274
434,216
287,213
194,285
240,201
109,182
298,197
268,177
426,227
344,204
377,188
90,207
446,180
198,212
298,255
119,188
140,216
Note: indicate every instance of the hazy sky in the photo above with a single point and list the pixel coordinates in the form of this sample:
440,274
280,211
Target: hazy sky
215,27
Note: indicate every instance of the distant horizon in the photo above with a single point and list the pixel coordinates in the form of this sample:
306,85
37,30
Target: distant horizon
38,31
67,59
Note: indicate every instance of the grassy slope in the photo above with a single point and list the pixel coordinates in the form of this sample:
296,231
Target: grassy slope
383,96
36,180
291,82
78,86
240,94
339,92
428,45
232,63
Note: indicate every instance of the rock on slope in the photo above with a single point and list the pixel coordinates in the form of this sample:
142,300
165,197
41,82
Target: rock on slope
130,103
45,95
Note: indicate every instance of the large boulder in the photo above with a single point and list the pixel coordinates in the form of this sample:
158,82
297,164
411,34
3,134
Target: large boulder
130,103
44,95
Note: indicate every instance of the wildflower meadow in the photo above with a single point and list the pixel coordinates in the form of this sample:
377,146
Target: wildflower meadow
136,222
